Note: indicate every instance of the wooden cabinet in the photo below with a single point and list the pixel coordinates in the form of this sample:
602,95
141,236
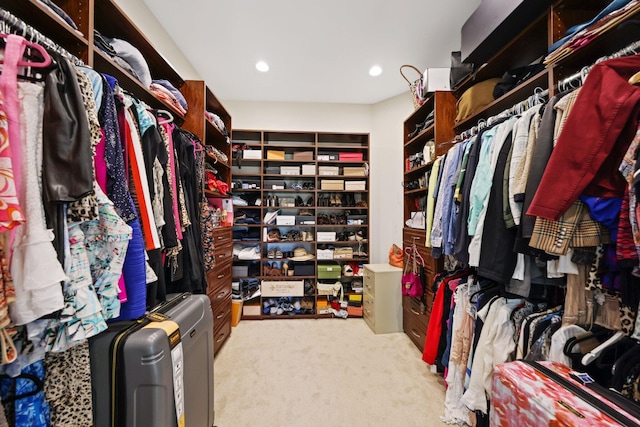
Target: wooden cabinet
318,184
382,299
219,287
415,319
431,125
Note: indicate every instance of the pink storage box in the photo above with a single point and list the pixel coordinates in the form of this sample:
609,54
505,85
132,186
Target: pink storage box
350,157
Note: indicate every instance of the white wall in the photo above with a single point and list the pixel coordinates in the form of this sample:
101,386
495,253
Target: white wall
383,121
141,15
295,116
387,174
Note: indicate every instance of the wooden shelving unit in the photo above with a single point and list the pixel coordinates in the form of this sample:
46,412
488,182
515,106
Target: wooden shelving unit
266,169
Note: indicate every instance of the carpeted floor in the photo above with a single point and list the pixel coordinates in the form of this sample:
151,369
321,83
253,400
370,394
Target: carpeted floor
324,373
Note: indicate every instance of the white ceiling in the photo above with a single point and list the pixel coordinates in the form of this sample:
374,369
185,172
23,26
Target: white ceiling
318,51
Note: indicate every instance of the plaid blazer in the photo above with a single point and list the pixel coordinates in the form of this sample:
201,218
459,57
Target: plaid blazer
574,229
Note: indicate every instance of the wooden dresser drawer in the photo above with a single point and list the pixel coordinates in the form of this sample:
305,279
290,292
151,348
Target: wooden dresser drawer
220,296
414,321
222,236
224,254
221,308
412,235
218,278
221,332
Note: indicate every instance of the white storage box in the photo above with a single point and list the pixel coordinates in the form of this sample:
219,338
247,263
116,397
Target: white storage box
325,253
282,288
355,185
328,170
286,220
289,170
287,202
251,310
308,169
252,154
326,236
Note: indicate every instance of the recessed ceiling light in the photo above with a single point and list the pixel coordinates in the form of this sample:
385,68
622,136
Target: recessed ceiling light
262,66
375,71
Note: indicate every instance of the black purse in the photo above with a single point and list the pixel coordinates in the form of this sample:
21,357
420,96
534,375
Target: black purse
459,70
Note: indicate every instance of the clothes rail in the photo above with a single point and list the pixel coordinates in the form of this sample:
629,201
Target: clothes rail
539,96
576,80
10,23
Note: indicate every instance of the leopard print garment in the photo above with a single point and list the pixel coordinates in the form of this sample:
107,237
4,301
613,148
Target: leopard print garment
86,209
593,281
68,387
627,317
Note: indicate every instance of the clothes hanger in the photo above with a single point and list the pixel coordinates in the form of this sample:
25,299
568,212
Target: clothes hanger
45,55
593,354
166,116
635,79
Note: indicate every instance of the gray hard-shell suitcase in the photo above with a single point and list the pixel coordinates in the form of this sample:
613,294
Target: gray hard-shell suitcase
132,367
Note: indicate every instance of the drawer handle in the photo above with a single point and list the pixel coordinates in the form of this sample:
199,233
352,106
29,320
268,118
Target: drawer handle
221,337
221,256
220,237
220,276
368,286
417,335
220,316
368,277
415,312
221,294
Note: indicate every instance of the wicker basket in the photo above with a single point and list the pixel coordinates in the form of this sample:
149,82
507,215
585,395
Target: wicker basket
416,86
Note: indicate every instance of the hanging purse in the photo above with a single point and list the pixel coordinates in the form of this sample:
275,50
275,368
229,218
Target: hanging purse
411,283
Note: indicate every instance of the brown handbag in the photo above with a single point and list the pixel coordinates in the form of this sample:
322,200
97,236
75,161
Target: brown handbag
395,256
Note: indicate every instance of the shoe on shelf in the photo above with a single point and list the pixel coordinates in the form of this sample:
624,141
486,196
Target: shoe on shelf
273,235
278,254
271,254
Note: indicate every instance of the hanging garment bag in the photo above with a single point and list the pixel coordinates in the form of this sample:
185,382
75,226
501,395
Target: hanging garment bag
526,393
158,370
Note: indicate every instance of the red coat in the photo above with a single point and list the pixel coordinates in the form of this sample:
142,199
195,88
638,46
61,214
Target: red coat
594,140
